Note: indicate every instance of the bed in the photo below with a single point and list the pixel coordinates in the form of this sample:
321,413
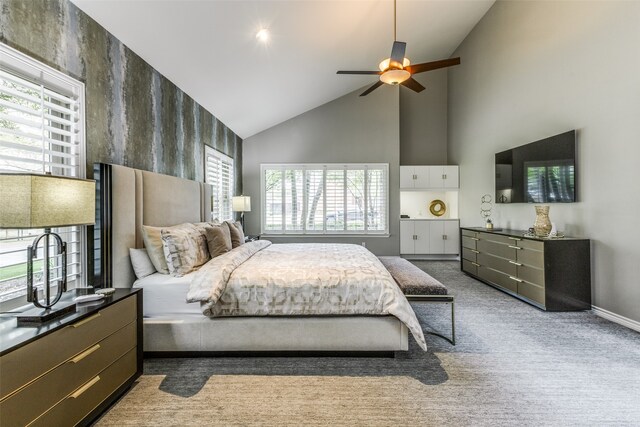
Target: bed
129,198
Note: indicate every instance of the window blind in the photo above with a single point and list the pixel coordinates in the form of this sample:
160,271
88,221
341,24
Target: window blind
325,199
41,131
219,173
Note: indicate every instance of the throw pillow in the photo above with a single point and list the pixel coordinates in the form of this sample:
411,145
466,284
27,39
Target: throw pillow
142,265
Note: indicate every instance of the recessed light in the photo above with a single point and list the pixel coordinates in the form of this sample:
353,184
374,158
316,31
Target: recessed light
263,35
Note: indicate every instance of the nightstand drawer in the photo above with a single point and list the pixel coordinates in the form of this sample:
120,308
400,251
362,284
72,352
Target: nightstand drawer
87,397
47,390
27,363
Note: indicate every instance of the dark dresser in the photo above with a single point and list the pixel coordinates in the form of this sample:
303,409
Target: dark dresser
551,274
68,371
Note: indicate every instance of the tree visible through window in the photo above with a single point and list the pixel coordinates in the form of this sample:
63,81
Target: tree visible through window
308,199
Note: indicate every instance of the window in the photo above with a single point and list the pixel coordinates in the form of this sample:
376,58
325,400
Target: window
41,130
219,173
325,199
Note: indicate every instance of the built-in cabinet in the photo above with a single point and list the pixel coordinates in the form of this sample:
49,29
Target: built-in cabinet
429,236
552,274
428,177
424,233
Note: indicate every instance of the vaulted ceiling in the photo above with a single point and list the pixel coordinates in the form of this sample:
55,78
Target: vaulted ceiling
209,48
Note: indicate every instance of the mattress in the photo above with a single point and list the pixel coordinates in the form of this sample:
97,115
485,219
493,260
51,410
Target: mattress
166,296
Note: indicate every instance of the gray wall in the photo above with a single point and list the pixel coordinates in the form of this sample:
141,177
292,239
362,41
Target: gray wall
534,69
134,115
350,129
423,121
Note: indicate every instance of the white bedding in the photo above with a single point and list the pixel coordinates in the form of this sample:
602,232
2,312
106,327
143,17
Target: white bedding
260,279
166,296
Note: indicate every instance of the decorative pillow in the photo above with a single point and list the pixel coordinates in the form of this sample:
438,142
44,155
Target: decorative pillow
237,234
218,240
141,263
155,249
185,249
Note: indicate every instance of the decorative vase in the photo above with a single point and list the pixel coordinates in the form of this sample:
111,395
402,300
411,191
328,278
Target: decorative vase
542,225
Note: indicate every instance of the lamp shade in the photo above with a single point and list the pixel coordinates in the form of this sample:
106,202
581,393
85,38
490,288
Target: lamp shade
44,201
242,204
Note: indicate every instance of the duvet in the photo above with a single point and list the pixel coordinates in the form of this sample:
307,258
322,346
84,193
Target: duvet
261,279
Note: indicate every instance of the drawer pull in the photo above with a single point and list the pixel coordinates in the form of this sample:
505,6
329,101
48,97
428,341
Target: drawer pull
85,353
477,265
515,247
76,394
517,239
474,238
515,263
516,279
87,320
474,251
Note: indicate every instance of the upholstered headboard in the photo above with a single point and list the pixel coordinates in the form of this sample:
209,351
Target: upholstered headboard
129,198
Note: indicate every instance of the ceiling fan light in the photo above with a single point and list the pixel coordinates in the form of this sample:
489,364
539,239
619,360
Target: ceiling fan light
384,65
394,77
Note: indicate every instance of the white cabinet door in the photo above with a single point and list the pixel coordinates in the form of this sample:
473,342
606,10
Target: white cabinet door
452,242
422,176
422,240
406,237
436,242
406,177
451,179
436,176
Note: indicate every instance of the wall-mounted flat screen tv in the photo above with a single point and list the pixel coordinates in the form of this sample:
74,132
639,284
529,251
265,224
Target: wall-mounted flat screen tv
540,172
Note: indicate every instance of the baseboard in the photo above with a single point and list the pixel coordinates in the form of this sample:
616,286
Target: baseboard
616,318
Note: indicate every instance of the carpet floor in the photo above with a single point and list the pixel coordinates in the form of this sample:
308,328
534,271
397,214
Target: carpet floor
513,365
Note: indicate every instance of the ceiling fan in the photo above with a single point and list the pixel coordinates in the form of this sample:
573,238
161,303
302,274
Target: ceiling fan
397,69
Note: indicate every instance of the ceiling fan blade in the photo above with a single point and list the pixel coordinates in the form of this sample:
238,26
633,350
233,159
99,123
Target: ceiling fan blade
413,84
397,54
428,66
375,86
359,72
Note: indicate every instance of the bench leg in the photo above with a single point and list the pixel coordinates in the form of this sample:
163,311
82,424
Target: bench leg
422,298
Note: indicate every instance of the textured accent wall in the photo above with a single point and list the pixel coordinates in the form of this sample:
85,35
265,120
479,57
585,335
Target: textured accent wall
135,116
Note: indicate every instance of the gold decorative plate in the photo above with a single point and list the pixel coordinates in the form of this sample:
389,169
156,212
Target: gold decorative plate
437,207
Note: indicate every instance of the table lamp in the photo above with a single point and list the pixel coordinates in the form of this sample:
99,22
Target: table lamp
241,204
45,201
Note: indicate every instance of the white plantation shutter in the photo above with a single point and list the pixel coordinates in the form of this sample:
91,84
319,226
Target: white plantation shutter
272,199
325,199
41,131
219,173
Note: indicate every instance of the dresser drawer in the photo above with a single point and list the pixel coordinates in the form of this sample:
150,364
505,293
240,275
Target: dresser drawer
531,257
531,274
27,363
501,264
77,405
497,278
469,233
47,390
498,249
498,238
469,254
532,244
470,267
469,242
532,291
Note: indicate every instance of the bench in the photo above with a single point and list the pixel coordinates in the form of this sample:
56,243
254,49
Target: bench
418,286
